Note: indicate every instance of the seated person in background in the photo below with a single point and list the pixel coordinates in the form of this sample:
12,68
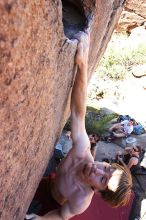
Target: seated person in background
94,138
130,157
122,129
78,176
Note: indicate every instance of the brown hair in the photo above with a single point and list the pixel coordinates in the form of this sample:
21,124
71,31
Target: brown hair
123,193
139,149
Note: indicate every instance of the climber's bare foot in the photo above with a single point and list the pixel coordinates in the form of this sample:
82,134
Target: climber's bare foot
82,48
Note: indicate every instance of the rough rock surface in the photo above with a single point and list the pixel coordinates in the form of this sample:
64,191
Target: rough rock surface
36,75
133,15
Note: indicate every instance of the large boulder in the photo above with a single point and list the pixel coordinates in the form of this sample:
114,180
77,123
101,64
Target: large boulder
133,15
36,75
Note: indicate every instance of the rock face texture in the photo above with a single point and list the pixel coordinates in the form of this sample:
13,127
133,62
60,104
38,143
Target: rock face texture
133,15
36,75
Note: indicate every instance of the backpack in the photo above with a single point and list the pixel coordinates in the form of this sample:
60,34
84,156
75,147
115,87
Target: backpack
138,129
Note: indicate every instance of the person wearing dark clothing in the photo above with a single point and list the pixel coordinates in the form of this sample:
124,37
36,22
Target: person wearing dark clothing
130,157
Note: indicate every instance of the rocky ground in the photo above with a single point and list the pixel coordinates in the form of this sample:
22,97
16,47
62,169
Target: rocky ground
126,96
130,100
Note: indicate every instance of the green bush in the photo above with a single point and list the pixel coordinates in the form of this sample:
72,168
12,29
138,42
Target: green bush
95,122
119,57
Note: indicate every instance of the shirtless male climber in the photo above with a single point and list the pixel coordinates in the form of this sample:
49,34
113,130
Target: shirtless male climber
78,176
